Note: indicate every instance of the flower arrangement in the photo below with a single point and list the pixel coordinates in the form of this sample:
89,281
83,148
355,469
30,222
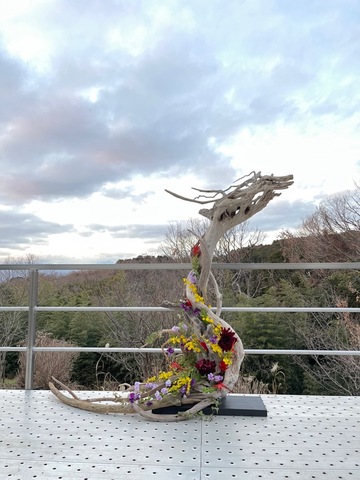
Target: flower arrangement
206,351
203,352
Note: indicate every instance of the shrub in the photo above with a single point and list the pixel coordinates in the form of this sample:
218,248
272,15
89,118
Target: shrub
48,364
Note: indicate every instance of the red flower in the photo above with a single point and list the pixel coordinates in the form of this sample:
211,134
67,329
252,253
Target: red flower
195,251
205,347
227,339
205,366
223,366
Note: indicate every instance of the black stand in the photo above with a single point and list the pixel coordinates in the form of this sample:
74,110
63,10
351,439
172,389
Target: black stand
239,406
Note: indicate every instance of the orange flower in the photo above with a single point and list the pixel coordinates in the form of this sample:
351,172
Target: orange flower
221,385
176,366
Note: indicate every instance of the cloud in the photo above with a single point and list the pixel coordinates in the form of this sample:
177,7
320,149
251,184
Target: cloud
20,230
282,214
150,233
12,87
120,193
66,145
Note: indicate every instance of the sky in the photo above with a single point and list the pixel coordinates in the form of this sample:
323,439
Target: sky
105,104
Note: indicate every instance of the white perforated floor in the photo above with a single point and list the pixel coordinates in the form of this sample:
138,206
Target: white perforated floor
301,438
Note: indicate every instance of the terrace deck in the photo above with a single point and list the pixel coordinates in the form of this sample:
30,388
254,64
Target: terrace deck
302,438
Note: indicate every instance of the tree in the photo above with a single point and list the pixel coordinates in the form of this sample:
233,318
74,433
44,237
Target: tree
237,245
330,234
273,330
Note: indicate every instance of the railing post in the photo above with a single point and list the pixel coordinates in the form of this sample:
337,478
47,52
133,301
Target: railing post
30,355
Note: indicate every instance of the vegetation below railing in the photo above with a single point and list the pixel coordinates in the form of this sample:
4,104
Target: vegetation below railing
264,330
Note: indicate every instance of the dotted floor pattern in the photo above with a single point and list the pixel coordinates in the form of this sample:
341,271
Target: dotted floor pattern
303,437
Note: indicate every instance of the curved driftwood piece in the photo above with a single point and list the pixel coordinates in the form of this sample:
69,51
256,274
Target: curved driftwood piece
212,352
113,404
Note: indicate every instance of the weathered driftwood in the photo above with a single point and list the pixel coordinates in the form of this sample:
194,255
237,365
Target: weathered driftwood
213,347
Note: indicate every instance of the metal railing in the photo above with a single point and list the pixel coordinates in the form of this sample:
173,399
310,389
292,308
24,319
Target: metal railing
33,308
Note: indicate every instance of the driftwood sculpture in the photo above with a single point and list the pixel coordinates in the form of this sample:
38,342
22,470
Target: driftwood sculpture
211,352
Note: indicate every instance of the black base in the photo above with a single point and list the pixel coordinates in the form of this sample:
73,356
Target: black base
238,406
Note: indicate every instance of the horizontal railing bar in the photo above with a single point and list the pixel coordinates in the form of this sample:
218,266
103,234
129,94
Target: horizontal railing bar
14,309
13,349
159,350
288,266
303,352
165,309
184,266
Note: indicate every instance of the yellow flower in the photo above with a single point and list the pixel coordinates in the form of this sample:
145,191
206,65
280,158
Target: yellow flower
191,345
227,359
198,298
192,287
216,349
217,330
165,375
177,340
180,382
205,318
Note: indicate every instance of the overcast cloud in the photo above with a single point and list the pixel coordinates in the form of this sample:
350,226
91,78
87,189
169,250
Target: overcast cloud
106,104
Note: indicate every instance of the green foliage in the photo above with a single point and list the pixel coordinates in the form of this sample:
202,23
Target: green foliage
84,370
347,286
272,330
11,364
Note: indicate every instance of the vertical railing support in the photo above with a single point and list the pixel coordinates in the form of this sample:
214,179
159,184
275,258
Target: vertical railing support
30,354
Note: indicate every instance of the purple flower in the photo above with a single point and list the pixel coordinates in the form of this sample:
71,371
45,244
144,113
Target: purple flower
133,397
158,396
150,385
186,305
164,391
170,350
137,386
183,390
192,277
215,378
175,328
168,383
213,339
